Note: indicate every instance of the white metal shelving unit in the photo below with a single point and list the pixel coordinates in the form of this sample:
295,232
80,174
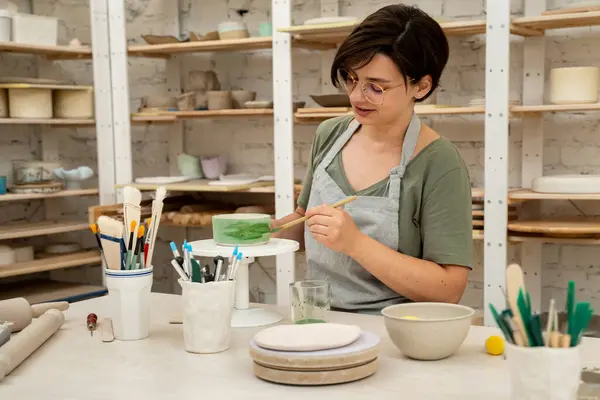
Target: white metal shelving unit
103,121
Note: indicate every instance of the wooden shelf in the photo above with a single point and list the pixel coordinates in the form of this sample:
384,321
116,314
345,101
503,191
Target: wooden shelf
62,193
314,115
29,229
46,121
51,263
554,108
135,119
51,52
528,194
337,32
166,50
558,21
201,185
40,291
244,112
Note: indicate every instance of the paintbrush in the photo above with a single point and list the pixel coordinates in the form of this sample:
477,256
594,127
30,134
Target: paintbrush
131,211
139,250
300,220
111,236
131,247
94,228
157,206
147,238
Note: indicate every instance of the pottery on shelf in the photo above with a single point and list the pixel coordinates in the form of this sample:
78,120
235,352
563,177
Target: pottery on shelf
213,167
574,85
240,97
220,100
233,30
26,172
74,177
332,100
190,166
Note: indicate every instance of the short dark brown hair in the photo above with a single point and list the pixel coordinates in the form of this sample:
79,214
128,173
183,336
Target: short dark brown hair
414,41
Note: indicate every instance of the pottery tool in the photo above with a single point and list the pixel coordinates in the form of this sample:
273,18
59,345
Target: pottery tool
131,212
177,266
111,234
526,329
20,313
107,330
21,346
176,254
218,260
96,232
234,266
157,207
197,276
91,321
550,323
349,363
300,220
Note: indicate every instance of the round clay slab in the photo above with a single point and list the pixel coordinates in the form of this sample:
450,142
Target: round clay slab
316,377
308,337
363,350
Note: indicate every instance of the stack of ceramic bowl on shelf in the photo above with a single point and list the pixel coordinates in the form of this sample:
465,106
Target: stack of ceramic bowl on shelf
43,177
31,177
13,255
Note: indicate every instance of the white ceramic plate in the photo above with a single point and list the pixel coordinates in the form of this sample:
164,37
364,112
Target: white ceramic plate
161,180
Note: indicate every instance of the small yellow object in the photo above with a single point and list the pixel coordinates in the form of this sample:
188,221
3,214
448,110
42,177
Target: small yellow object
494,345
410,317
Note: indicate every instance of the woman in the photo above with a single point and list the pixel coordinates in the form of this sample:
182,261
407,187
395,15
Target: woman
408,235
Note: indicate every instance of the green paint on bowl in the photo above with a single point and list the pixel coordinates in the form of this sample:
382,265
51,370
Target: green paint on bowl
241,229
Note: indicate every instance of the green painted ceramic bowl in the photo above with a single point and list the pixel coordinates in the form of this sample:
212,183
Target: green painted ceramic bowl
241,229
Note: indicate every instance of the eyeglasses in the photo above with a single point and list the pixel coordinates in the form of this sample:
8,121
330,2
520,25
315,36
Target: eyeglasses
373,92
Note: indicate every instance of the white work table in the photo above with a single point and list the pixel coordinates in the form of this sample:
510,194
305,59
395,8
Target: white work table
74,365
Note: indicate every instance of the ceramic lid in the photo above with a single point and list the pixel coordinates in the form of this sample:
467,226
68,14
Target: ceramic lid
5,249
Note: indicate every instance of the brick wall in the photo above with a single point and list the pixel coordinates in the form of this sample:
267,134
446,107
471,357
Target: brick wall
571,141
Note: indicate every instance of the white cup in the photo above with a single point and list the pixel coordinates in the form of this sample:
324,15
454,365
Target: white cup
544,373
207,312
129,302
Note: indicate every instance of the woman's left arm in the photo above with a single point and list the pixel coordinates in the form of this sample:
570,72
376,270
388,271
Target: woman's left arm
446,227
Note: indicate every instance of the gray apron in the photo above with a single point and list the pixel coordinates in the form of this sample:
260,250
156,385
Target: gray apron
353,288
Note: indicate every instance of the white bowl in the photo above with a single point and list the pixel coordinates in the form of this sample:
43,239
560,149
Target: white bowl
439,331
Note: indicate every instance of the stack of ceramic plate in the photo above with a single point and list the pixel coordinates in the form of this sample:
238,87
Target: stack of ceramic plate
480,101
314,354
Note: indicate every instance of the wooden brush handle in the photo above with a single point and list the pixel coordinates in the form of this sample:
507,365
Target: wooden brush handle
300,220
21,346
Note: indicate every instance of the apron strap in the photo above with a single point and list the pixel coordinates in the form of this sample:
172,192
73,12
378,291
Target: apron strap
339,144
408,148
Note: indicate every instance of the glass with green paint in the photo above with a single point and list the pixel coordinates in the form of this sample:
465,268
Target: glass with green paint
310,301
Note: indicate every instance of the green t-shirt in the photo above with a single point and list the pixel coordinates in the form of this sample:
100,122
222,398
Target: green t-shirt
435,217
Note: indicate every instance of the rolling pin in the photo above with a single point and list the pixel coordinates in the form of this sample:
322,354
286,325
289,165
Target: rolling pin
22,345
20,312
